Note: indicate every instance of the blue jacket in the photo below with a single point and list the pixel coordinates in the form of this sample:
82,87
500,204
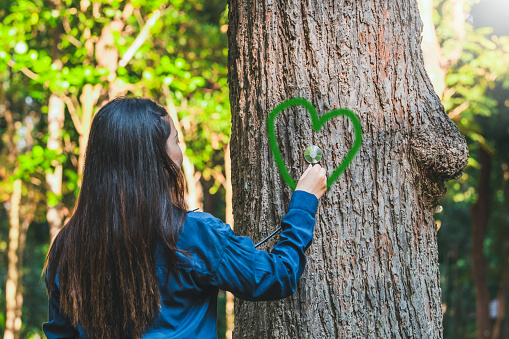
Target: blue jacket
217,259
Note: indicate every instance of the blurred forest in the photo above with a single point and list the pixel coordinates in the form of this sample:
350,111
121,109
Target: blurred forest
62,59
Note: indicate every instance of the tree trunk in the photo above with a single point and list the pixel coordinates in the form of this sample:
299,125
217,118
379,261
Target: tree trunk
497,327
28,216
432,53
13,282
88,100
12,321
56,117
372,271
436,62
54,215
480,216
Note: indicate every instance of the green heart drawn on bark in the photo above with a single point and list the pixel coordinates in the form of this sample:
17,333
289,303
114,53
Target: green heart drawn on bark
317,122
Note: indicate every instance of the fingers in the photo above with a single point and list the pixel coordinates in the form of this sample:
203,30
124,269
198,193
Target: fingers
316,169
313,180
307,170
321,175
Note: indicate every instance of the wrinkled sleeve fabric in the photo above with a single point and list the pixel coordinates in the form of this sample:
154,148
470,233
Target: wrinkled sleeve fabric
58,326
251,274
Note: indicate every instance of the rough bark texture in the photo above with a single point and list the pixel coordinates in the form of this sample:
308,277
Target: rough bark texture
372,270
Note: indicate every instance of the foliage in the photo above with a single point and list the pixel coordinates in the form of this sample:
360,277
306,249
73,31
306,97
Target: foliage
476,99
54,47
50,47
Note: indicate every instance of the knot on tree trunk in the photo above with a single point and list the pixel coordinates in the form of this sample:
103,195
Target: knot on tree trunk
441,154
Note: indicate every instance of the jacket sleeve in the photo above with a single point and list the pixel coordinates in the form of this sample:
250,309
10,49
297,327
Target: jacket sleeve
252,274
58,326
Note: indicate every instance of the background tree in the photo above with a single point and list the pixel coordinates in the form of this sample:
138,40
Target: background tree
473,80
73,56
49,50
373,268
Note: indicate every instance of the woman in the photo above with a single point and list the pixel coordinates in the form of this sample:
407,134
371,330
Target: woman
132,263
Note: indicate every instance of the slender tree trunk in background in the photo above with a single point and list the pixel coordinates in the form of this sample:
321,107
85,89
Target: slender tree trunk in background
501,324
480,216
432,53
88,100
54,215
457,302
12,322
17,235
229,220
10,137
56,116
107,56
372,271
436,63
458,18
497,327
28,216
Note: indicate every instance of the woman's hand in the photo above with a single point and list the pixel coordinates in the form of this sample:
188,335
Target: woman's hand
313,180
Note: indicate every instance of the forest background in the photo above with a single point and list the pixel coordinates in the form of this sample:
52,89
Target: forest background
60,60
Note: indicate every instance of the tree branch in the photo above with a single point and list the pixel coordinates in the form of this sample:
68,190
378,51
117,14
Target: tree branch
218,176
73,113
455,113
140,39
25,70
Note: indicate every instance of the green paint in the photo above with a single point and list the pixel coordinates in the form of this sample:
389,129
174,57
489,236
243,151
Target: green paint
317,122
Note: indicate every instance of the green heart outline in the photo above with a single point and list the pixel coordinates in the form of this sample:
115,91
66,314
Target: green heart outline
317,122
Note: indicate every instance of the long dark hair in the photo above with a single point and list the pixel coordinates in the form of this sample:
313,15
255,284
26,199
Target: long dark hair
131,195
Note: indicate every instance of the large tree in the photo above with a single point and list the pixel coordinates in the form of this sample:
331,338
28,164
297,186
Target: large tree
372,270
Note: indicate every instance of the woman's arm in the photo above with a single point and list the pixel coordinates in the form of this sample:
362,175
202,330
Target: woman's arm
252,274
256,275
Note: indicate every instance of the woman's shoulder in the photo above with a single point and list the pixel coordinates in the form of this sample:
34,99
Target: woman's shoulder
205,222
204,238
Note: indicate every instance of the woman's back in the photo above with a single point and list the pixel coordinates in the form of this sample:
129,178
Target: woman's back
217,259
132,263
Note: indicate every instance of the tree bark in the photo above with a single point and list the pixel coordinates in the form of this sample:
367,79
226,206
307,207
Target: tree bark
480,217
372,271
